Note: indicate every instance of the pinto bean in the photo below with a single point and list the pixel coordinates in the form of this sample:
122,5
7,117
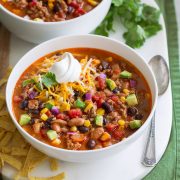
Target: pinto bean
60,122
76,122
37,127
96,133
56,127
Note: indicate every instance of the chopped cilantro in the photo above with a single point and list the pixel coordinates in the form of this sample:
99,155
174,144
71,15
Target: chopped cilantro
49,79
140,20
28,81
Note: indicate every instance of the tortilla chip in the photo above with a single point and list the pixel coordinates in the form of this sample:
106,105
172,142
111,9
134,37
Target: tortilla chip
4,113
11,161
6,139
34,158
17,151
3,81
6,123
18,140
2,102
5,149
1,162
53,164
60,176
2,132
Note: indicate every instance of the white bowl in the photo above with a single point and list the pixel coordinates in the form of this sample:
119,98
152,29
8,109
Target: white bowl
37,32
90,41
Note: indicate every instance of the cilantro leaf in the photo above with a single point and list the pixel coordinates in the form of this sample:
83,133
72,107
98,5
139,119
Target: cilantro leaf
140,20
49,79
28,81
135,37
107,24
117,2
151,30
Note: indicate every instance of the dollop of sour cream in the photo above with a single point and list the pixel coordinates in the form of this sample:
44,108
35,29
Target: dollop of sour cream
68,69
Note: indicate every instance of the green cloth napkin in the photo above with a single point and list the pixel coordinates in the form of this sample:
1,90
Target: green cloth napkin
169,166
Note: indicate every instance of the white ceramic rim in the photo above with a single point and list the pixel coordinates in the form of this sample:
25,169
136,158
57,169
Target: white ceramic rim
51,23
83,151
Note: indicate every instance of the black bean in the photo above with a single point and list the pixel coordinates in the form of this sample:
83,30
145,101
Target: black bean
49,119
91,143
104,121
83,129
105,65
41,105
139,116
107,107
132,111
76,93
47,124
32,121
57,8
33,111
115,90
24,104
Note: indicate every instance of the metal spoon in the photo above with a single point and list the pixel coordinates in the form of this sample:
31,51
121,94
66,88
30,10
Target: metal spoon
161,72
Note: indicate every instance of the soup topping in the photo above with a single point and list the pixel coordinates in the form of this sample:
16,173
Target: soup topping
106,102
68,69
49,10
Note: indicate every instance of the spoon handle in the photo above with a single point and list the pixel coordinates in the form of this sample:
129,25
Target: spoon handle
149,158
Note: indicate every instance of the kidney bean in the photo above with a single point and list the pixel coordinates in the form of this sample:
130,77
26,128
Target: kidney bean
76,122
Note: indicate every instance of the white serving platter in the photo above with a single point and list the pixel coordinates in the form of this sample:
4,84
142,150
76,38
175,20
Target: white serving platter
127,164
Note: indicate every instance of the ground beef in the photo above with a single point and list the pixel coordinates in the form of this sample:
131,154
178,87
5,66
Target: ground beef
73,145
21,4
33,104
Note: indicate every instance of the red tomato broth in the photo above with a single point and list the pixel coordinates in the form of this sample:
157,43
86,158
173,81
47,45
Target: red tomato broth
142,90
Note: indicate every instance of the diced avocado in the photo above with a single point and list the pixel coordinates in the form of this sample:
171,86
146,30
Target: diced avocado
135,124
111,84
99,120
125,74
24,119
51,134
132,100
80,104
48,105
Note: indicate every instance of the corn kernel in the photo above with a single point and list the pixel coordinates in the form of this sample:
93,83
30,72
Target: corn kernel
88,107
123,99
87,123
45,110
121,127
109,59
106,136
56,142
100,111
121,122
51,5
92,2
126,91
73,129
44,117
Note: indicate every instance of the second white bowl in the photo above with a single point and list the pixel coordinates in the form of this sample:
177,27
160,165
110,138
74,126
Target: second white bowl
37,32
